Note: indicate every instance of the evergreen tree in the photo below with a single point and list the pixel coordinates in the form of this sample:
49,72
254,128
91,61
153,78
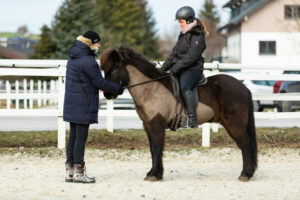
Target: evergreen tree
128,22
45,49
73,18
214,42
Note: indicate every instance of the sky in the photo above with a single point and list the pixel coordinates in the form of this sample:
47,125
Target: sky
35,13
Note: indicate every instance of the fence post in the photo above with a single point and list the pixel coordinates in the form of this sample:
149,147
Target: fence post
25,92
39,100
8,92
44,93
215,127
52,91
110,118
17,93
31,96
61,125
206,135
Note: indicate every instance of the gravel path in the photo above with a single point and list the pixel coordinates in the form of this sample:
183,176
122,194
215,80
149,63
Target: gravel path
206,174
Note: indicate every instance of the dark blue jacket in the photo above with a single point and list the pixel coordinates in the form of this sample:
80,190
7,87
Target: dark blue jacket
83,82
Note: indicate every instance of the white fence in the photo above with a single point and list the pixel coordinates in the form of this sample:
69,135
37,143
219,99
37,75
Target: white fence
43,92
56,69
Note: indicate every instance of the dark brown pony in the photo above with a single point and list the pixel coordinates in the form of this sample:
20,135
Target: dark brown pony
223,99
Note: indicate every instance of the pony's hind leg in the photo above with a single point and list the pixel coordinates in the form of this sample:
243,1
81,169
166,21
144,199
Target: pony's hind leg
156,134
247,143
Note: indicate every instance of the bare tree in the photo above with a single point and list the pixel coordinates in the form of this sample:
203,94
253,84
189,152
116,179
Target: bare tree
214,41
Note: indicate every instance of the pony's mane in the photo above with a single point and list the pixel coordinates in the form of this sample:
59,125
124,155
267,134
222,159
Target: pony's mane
141,62
131,57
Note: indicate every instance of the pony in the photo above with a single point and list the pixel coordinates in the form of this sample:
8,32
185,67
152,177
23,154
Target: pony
223,99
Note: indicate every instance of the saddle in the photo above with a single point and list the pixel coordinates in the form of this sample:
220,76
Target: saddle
179,98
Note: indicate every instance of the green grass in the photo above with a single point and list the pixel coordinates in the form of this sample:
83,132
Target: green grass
136,139
11,34
8,34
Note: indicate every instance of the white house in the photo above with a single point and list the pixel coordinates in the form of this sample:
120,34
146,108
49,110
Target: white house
263,31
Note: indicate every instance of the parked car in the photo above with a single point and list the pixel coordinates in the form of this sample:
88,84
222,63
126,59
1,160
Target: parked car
277,86
287,87
261,87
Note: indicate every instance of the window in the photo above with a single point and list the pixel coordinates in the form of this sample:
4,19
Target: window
267,47
292,11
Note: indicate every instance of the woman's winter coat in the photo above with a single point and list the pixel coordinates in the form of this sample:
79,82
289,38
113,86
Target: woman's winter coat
83,82
187,52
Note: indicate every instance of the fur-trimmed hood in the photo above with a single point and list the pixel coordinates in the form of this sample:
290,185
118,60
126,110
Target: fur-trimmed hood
80,49
88,42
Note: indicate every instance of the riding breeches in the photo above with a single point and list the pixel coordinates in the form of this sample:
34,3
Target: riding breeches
188,79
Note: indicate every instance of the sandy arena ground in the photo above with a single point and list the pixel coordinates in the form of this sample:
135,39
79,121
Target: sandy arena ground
206,174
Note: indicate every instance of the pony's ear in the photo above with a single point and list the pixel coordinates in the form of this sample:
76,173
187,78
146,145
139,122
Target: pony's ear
114,55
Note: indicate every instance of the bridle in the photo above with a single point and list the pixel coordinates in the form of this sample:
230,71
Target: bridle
145,82
137,84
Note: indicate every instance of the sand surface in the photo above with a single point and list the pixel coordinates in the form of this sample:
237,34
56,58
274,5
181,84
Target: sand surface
206,174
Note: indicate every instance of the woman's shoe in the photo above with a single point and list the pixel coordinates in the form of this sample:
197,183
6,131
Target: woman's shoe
69,172
80,175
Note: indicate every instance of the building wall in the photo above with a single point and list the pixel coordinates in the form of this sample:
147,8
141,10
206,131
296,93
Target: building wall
287,48
232,51
270,18
267,24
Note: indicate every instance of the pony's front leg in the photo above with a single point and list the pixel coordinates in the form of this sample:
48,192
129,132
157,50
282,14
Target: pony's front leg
155,129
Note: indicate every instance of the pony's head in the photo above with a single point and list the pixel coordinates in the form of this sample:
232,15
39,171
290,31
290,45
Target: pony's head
113,64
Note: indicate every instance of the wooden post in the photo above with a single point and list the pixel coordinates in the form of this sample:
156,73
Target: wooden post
110,118
61,125
17,93
215,127
31,96
39,100
8,92
45,92
25,92
52,91
206,135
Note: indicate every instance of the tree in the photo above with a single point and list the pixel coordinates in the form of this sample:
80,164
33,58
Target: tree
73,18
128,22
214,42
45,49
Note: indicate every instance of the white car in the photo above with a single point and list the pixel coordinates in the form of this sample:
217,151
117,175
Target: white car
261,87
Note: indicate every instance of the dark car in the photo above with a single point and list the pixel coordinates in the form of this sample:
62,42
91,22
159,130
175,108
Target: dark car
289,87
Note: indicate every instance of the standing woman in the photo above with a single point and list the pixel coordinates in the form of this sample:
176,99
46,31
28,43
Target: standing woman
83,82
186,60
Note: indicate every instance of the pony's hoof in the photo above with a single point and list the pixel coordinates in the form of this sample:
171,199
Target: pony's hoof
151,178
243,179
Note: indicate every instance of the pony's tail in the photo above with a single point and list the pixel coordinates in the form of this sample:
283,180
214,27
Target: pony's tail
251,132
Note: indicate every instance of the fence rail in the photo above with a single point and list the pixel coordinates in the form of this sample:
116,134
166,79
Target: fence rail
57,69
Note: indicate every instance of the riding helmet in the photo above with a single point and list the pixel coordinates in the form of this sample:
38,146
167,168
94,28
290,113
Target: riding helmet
187,13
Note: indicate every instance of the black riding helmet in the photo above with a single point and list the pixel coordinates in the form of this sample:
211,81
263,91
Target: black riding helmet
187,13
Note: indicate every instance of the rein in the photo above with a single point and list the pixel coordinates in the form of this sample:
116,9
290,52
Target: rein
142,83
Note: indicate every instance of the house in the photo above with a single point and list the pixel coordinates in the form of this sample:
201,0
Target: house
263,32
10,54
3,41
21,45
